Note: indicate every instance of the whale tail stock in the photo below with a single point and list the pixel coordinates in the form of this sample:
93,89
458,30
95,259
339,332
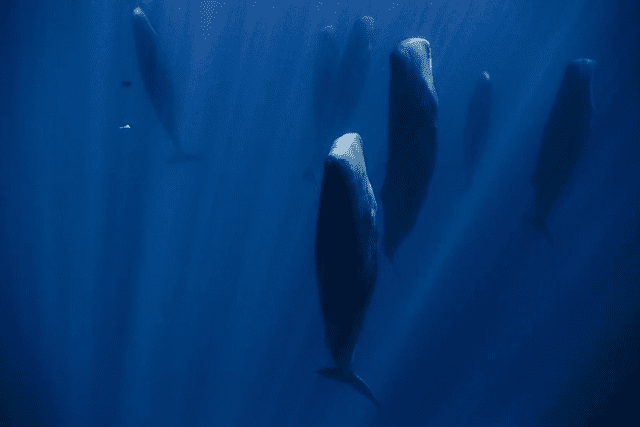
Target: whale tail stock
348,377
182,157
541,227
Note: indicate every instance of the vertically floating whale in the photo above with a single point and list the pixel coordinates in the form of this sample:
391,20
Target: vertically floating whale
352,72
157,80
346,254
337,85
413,116
324,73
477,126
564,139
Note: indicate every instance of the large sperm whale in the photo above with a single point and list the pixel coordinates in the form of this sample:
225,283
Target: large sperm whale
346,254
477,126
157,81
564,140
413,117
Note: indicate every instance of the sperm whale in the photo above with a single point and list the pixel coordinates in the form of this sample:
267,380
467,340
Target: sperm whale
564,140
413,124
346,254
477,126
337,85
157,80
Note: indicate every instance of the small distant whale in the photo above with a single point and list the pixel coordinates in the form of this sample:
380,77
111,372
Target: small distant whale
346,254
125,84
477,126
413,117
157,80
337,87
564,140
352,72
324,73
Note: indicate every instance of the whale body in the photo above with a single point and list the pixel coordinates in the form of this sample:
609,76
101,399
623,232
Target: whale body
346,254
477,125
157,80
413,118
337,85
324,71
564,139
352,73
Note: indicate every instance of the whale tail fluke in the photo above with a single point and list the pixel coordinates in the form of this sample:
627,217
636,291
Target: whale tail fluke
182,157
348,377
540,226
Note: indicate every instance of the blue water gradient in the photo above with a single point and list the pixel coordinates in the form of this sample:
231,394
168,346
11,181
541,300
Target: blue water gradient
135,292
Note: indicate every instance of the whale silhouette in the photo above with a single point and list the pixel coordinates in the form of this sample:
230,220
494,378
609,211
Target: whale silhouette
477,125
157,81
352,72
564,140
413,116
337,85
346,254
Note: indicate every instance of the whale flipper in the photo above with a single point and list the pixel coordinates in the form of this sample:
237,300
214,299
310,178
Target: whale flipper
348,377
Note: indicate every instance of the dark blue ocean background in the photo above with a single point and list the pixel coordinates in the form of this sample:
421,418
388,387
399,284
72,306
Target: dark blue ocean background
139,293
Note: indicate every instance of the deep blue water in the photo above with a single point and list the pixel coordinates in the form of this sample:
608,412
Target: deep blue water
135,292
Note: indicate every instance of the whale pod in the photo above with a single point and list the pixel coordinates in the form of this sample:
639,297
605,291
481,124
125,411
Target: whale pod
477,126
413,117
564,139
346,254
